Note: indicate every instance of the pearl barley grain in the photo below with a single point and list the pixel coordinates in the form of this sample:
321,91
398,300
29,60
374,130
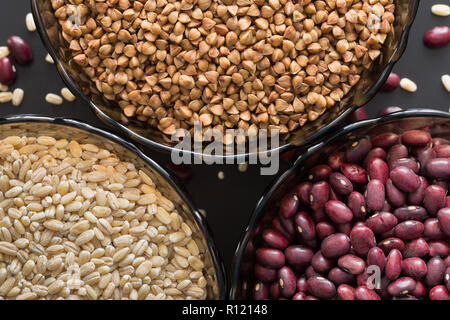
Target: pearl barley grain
441,10
67,94
53,99
17,97
408,85
446,82
6,97
49,59
4,51
29,21
221,175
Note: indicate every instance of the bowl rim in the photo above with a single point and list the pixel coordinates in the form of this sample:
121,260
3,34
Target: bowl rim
177,187
271,189
308,141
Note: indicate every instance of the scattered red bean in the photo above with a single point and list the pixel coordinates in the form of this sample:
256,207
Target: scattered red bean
414,267
321,287
393,266
375,195
335,245
7,71
346,292
352,264
362,240
437,37
19,49
392,82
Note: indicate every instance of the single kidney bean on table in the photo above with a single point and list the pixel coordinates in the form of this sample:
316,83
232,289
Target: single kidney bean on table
371,222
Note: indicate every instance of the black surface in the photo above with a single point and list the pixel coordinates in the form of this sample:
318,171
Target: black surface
229,202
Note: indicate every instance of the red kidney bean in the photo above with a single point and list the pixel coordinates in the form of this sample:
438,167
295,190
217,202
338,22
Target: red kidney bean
336,160
19,49
425,156
276,225
321,287
346,292
287,224
260,291
416,197
7,71
441,183
335,245
303,191
444,220
334,195
389,244
324,229
341,183
434,199
299,296
376,257
358,150
381,222
339,276
393,266
378,169
320,263
357,205
416,138
447,201
420,290
275,239
447,261
439,293
437,37
287,281
386,140
439,248
414,267
311,298
439,168
440,141
319,172
319,216
401,287
310,272
271,258
305,226
362,239
265,274
397,151
344,228
320,194
416,248
405,179
447,278
359,115
389,110
289,205
410,213
375,195
338,212
387,234
298,256
436,270
354,173
394,195
274,290
375,153
364,293
392,82
302,286
409,230
432,229
442,151
405,162
351,264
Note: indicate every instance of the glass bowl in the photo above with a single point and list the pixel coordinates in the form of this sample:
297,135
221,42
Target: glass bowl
438,122
71,129
371,81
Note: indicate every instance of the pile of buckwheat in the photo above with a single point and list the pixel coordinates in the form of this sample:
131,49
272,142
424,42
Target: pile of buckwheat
249,64
76,222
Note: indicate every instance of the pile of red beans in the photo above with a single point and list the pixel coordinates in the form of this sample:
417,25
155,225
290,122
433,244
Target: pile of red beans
373,223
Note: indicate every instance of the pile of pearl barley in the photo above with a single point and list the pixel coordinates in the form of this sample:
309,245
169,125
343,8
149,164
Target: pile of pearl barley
78,223
247,64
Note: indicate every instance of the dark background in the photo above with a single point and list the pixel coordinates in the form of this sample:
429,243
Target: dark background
229,203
